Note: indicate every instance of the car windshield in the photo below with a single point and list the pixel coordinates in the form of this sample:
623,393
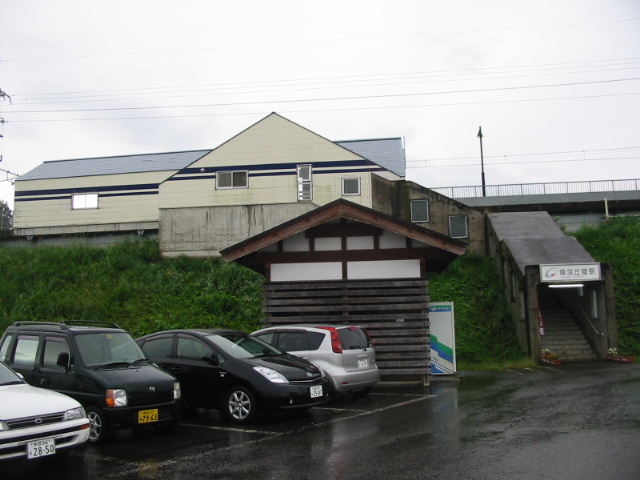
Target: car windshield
8,376
243,346
108,349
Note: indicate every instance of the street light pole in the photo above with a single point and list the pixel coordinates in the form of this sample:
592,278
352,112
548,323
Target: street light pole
484,188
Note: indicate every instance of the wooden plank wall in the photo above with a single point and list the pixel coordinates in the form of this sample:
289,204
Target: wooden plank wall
395,312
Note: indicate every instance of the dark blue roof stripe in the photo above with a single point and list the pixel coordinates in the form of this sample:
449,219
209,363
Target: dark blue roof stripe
275,166
111,188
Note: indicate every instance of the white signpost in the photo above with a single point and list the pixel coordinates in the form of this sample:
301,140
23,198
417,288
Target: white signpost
443,338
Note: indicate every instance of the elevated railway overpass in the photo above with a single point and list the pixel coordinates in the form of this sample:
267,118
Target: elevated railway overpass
572,203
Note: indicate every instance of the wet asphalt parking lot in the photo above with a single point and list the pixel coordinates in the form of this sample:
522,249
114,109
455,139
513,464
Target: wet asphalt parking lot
575,421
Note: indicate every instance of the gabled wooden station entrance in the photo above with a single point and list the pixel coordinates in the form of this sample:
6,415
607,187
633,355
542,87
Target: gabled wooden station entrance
347,264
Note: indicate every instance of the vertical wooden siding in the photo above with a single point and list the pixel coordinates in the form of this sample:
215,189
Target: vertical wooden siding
395,312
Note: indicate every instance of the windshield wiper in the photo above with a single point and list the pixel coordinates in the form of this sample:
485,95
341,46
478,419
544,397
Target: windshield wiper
12,382
114,364
140,360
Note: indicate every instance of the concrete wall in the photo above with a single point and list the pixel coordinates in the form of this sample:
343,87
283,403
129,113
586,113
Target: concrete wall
394,198
97,239
204,231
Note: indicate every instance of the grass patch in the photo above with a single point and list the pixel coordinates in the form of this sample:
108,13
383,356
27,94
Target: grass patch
520,363
485,333
618,242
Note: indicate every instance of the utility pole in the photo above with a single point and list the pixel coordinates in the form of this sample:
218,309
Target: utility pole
484,188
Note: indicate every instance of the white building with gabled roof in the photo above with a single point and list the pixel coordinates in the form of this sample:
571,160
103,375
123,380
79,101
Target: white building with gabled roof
200,202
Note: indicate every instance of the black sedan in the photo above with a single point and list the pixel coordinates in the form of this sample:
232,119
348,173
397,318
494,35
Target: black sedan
239,374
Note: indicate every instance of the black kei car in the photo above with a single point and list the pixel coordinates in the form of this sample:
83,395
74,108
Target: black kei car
100,366
233,372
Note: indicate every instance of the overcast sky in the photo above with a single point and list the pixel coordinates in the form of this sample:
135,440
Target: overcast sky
555,85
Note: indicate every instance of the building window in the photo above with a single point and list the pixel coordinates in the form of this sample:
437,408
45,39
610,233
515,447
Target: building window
419,210
81,201
351,186
232,179
305,190
458,226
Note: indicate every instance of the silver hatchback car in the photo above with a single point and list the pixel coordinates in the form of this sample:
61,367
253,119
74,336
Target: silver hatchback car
344,353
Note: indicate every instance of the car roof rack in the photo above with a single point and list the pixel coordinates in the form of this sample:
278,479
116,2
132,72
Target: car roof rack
35,322
67,323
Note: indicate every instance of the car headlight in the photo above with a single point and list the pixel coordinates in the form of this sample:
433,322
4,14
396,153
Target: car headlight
3,426
177,393
74,414
271,375
116,397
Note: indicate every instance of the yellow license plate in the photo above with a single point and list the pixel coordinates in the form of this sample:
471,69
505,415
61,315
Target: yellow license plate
148,416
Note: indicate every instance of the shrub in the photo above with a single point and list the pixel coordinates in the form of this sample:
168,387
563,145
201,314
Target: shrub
617,242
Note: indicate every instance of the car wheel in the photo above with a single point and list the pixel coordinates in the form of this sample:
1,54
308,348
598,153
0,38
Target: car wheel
240,405
98,428
362,393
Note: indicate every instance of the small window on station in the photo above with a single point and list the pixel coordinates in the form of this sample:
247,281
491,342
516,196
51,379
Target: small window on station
420,210
232,179
351,186
80,201
458,226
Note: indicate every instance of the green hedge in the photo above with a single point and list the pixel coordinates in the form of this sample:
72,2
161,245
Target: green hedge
484,330
618,242
128,284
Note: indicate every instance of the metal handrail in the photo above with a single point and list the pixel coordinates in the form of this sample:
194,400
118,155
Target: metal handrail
541,188
586,315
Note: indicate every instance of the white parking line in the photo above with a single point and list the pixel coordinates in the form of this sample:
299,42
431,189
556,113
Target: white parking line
399,394
535,371
227,429
334,409
554,370
134,467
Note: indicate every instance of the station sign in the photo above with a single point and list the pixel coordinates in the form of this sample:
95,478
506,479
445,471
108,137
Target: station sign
570,272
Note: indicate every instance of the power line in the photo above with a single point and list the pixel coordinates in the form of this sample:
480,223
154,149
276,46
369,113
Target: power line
628,63
309,100
310,110
562,152
308,42
515,164
217,90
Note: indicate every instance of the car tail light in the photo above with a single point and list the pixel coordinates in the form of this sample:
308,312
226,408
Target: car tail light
336,346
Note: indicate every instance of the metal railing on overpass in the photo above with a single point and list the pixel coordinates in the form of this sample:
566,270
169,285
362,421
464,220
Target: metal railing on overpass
541,188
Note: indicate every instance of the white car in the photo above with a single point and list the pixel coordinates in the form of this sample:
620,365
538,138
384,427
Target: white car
35,422
344,353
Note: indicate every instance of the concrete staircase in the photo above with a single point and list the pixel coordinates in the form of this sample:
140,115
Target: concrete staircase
562,333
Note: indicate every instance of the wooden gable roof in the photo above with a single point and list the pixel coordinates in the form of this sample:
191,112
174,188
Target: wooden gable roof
441,252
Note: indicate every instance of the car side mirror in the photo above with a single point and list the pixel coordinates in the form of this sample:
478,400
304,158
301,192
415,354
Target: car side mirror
211,358
64,360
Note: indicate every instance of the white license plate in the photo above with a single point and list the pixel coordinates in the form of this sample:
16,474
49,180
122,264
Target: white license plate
363,362
316,391
41,448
